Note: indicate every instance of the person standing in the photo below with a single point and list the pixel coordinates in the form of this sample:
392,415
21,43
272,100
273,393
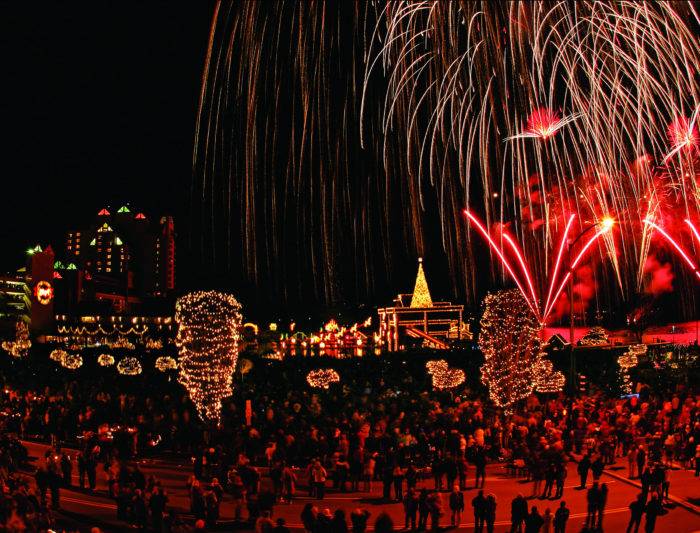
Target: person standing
653,510
636,512
561,479
435,509
456,505
318,479
480,466
410,509
584,466
423,509
632,461
592,499
339,524
549,477
398,475
641,459
479,505
561,517
547,519
359,518
82,470
534,521
602,502
518,513
289,480
490,512
597,468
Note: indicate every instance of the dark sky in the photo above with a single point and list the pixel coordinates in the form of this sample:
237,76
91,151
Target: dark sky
98,107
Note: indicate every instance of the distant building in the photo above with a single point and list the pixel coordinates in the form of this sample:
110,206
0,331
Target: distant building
15,301
40,279
120,259
416,318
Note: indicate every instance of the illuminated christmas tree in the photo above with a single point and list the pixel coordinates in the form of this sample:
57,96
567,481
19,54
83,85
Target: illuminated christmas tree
209,326
510,343
421,293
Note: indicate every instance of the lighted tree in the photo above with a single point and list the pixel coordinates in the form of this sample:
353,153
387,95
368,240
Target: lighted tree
545,378
510,344
596,336
209,324
626,361
20,346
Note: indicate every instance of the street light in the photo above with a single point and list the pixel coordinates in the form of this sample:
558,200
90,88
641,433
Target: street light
605,224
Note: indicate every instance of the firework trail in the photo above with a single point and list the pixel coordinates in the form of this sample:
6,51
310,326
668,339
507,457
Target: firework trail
524,111
531,109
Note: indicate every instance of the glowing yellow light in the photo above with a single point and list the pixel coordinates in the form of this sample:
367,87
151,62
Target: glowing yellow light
322,378
209,324
607,222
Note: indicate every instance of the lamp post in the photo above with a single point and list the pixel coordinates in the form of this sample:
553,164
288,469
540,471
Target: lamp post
606,223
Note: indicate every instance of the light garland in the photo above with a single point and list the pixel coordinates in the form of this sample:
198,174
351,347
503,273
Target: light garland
597,336
72,361
628,360
122,343
322,378
105,359
165,363
58,355
209,324
510,344
129,366
547,380
154,344
443,376
21,345
421,293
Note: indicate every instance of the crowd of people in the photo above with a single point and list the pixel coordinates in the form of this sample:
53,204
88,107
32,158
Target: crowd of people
372,429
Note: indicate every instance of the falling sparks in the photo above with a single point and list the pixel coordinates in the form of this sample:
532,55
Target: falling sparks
597,103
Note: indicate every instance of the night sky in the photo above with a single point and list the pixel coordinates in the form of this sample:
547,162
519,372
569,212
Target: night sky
98,107
283,207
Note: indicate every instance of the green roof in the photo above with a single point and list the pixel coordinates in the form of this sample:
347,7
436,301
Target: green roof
71,266
124,209
93,241
118,241
58,265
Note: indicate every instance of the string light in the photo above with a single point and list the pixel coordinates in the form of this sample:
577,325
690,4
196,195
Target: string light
129,366
321,378
597,336
510,344
72,361
165,363
21,345
443,376
105,359
421,294
154,344
546,379
122,343
58,355
628,360
209,324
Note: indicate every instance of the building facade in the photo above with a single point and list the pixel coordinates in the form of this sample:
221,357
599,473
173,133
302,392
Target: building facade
120,259
416,320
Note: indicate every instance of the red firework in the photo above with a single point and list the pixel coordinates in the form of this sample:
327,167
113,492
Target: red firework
556,283
682,253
